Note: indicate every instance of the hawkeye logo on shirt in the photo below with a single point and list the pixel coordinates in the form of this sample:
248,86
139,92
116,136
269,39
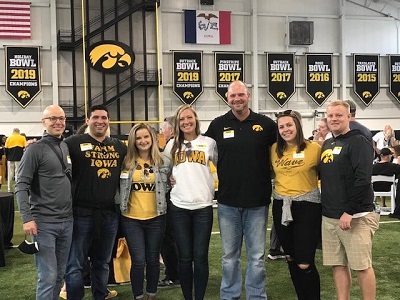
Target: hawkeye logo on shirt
257,128
102,157
327,156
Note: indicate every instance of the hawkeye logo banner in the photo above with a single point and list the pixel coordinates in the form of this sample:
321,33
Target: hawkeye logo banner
188,84
366,77
229,67
110,57
281,83
319,84
394,67
22,74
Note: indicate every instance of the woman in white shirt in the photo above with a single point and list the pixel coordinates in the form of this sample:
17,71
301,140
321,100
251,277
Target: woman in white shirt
189,155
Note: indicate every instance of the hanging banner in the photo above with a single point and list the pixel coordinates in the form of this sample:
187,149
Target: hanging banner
281,83
394,67
22,74
229,67
366,77
319,85
188,84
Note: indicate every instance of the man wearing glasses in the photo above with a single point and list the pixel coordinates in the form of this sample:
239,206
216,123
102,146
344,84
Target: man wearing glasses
243,139
97,161
43,192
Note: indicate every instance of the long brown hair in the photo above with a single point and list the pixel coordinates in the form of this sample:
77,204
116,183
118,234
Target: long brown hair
299,140
178,134
133,153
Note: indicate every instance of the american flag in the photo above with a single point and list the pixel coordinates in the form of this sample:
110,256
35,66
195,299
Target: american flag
15,20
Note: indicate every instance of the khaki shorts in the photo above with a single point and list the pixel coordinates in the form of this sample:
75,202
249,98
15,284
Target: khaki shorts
351,247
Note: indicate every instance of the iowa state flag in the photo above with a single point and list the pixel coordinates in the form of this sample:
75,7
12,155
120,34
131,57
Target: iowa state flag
207,27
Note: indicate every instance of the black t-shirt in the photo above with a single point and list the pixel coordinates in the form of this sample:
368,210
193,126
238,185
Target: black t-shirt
96,169
388,169
243,158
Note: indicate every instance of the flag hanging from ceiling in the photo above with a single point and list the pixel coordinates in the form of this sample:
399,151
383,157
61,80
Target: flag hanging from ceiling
15,20
207,27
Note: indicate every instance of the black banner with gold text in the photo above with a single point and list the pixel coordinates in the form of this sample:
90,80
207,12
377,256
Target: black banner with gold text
366,77
394,67
229,67
319,84
23,74
188,84
281,83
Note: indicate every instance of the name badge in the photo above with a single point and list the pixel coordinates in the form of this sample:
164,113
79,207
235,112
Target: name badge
229,134
124,175
86,146
336,150
298,155
69,159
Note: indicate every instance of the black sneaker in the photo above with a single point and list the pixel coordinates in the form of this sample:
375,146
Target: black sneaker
276,255
168,283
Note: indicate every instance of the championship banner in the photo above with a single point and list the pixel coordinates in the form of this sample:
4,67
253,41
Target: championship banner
394,67
188,84
366,77
319,85
22,74
281,83
229,67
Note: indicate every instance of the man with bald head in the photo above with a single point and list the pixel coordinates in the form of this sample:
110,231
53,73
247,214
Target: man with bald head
43,192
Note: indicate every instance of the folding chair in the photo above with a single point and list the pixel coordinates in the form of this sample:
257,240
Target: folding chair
391,193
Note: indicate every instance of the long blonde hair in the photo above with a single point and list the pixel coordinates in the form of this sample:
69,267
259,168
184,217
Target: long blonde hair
178,134
133,153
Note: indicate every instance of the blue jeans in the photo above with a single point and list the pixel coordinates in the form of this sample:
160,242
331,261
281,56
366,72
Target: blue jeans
234,224
192,234
99,238
144,238
54,241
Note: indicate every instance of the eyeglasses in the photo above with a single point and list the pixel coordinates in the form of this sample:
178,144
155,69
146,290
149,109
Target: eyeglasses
146,171
103,148
54,119
188,146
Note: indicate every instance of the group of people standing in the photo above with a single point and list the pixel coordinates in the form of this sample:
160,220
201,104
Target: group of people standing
249,150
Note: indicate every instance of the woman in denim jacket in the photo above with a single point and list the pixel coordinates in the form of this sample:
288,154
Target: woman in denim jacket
143,183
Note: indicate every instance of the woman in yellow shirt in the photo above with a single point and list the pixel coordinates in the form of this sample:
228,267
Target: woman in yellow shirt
143,206
297,204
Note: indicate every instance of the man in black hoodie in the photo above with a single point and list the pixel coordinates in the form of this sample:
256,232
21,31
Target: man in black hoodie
349,220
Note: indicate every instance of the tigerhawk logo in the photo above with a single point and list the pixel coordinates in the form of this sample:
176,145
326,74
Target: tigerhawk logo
111,56
257,128
188,95
23,94
327,156
103,173
281,95
319,95
367,94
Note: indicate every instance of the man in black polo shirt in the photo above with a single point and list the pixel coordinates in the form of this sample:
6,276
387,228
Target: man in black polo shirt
243,138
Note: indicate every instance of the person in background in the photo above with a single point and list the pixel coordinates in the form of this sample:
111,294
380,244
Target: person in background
323,131
142,196
297,203
387,168
97,161
14,148
169,251
355,124
275,248
384,139
43,192
189,155
243,139
396,154
348,217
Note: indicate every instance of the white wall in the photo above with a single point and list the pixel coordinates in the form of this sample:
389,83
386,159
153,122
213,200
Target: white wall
340,27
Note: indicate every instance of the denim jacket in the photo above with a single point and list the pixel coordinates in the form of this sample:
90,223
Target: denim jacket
124,191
